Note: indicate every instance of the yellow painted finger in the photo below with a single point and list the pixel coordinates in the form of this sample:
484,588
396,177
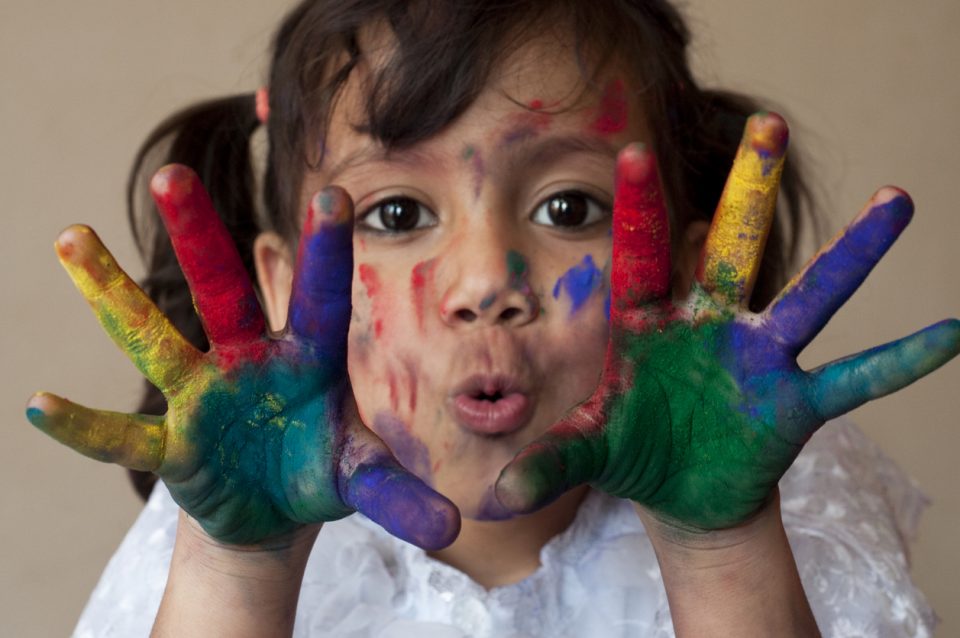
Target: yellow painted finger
131,319
131,440
734,247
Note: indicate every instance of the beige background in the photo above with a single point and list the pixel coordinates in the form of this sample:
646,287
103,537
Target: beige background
869,85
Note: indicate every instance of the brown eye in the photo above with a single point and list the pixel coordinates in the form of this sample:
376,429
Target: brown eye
569,209
398,215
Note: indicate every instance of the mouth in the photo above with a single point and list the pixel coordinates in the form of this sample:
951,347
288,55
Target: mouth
491,405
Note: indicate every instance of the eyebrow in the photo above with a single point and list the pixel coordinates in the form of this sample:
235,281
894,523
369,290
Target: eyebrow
534,150
408,157
510,155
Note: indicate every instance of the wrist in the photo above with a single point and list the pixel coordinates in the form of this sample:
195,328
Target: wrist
737,581
238,590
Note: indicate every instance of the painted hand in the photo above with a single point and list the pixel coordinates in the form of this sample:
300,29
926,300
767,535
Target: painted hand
262,433
702,406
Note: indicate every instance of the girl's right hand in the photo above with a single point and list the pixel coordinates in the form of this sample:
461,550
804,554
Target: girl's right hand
262,434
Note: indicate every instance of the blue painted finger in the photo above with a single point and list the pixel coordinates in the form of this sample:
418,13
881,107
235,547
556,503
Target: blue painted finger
808,302
374,483
320,302
846,384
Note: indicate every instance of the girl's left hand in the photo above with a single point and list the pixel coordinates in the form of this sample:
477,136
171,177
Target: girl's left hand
702,406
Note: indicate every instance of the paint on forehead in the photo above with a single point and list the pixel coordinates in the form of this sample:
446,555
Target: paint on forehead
613,113
409,450
421,282
579,283
371,282
526,125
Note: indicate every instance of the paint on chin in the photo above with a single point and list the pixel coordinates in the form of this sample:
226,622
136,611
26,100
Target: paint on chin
490,508
421,281
612,114
579,283
409,450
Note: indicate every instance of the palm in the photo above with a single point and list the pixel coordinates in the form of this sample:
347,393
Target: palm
702,406
261,434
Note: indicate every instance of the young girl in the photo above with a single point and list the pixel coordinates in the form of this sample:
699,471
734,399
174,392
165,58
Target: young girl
455,348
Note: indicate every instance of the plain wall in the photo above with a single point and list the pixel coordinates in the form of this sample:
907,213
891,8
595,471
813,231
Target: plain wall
869,86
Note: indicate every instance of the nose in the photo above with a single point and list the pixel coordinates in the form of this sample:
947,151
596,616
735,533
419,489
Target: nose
490,287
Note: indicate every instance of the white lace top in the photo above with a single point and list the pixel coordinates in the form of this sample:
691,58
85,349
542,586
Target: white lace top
847,508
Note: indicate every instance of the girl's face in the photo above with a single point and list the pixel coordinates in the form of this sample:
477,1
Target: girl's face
481,267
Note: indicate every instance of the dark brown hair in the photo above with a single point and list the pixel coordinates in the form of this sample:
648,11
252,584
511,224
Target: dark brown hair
444,53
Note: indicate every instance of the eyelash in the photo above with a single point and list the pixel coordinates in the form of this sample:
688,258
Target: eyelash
371,220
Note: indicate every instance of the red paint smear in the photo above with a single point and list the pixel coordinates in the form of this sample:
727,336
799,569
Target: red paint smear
371,282
412,377
394,398
208,256
421,278
612,117
436,466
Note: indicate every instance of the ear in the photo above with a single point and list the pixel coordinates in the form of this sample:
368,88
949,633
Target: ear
274,264
688,257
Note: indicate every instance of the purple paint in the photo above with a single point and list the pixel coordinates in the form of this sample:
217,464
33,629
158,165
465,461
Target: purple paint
490,509
409,450
579,283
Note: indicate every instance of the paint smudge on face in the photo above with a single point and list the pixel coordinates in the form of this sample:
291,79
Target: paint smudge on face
490,509
579,283
409,450
526,125
517,271
472,155
488,301
371,282
421,279
613,111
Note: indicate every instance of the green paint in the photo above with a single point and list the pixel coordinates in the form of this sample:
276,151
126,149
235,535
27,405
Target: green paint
468,153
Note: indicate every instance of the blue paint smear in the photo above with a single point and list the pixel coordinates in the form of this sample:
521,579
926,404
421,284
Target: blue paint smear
35,415
579,283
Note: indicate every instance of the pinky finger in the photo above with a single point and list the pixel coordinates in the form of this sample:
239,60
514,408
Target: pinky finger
848,383
134,441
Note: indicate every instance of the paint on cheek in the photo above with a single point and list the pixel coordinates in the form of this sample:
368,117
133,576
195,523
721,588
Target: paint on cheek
579,283
421,281
613,111
371,282
409,450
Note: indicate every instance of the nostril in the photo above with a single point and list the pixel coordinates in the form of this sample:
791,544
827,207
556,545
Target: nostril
466,315
509,313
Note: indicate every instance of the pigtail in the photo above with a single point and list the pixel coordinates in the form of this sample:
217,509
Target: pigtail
212,138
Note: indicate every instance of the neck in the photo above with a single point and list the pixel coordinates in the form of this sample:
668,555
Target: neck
496,553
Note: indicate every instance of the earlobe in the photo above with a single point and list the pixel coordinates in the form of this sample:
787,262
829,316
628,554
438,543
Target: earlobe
274,264
688,257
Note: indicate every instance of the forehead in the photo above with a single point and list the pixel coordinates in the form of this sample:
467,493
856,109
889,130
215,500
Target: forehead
543,84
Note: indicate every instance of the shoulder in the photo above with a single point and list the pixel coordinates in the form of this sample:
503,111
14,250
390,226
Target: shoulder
849,512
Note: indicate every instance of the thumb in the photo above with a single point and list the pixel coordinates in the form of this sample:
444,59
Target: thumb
570,453
374,483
